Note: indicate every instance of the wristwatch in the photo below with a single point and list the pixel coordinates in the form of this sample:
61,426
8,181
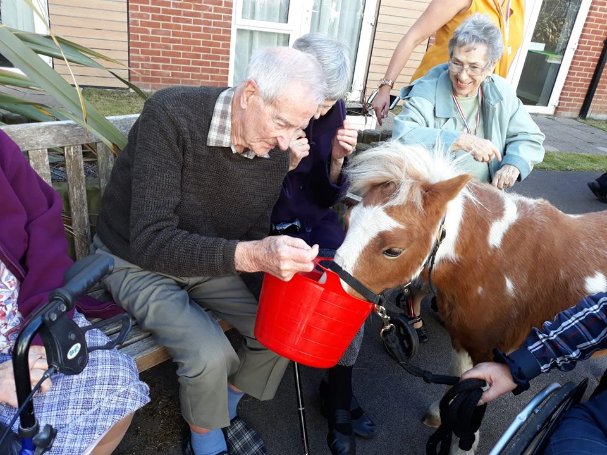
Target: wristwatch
385,81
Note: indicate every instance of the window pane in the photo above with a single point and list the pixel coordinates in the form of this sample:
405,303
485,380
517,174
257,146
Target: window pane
549,43
16,14
340,19
247,41
266,10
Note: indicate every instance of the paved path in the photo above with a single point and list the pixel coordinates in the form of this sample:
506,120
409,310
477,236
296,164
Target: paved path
395,400
571,135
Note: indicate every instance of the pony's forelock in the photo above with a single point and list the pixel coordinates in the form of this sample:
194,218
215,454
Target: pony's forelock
405,165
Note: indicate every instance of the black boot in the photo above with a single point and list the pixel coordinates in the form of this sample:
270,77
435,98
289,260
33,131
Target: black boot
340,438
339,394
362,425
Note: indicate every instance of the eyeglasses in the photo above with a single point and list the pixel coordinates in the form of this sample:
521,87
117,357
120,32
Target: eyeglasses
473,70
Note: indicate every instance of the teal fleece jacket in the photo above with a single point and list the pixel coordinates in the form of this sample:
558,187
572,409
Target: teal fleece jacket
429,115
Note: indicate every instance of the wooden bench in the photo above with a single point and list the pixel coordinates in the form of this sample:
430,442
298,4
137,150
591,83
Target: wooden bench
67,146
64,145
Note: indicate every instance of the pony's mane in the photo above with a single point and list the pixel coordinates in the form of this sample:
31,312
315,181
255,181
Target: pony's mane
402,164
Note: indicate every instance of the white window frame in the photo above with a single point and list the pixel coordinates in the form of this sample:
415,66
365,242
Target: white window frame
298,24
533,10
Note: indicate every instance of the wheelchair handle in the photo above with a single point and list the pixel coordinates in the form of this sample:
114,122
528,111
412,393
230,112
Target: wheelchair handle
94,269
59,334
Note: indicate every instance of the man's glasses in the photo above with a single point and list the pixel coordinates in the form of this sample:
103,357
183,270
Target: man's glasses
472,70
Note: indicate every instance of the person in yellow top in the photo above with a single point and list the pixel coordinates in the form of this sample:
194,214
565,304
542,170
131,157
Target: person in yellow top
443,17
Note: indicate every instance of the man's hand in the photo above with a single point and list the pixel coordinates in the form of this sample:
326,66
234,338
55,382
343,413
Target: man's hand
496,375
505,177
281,256
298,149
481,149
37,366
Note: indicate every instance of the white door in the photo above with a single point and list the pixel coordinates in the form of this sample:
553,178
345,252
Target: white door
280,22
551,38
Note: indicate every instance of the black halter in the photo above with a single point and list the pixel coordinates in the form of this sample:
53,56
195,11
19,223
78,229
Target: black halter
378,299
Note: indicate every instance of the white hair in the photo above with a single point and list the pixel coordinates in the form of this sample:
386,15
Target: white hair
334,59
276,69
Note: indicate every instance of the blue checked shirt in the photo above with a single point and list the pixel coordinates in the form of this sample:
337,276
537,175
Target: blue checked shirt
573,335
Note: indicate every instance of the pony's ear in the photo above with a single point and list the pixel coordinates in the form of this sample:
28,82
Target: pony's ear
440,193
380,193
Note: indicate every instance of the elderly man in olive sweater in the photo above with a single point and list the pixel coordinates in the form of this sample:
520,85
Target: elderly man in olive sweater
187,208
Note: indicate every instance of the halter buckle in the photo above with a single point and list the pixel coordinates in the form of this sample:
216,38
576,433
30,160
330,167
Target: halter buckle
383,314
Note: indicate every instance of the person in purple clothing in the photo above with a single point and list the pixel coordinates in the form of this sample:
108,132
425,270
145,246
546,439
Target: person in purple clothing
573,335
312,186
92,410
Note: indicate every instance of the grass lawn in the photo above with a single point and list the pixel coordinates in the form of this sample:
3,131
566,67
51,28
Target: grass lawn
567,161
602,124
114,102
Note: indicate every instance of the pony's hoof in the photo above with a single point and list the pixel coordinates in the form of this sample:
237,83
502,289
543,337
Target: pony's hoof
431,420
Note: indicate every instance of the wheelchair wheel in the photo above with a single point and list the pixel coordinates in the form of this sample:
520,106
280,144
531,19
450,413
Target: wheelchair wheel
532,436
405,335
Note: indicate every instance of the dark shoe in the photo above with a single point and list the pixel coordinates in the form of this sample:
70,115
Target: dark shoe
341,443
362,425
422,332
596,189
242,439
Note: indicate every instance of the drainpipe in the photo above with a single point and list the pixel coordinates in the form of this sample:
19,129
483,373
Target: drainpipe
594,82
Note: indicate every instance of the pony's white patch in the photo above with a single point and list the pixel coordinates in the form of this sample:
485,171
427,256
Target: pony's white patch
453,222
499,227
595,283
480,290
460,362
366,222
509,287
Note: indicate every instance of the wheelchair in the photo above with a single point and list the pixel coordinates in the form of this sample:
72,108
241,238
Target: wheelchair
531,429
66,350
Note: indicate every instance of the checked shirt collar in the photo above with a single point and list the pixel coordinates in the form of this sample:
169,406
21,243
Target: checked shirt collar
220,131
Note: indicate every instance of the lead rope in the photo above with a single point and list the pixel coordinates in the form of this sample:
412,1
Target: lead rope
460,416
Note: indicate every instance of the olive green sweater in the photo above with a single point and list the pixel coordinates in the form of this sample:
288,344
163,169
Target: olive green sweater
175,205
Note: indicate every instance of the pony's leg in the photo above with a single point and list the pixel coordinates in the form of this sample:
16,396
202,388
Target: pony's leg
460,362
455,450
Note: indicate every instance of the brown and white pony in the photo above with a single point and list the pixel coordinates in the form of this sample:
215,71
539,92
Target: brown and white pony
506,262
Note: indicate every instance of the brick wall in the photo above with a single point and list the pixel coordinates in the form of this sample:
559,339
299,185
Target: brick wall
179,42
582,68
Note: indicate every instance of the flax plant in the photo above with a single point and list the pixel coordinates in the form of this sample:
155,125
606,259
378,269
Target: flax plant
25,50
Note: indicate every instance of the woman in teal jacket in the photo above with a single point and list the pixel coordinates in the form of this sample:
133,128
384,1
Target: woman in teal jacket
464,108
461,106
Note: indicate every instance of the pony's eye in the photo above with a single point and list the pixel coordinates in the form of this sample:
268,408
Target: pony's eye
393,252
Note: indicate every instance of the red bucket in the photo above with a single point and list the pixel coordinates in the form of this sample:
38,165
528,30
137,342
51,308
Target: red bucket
308,319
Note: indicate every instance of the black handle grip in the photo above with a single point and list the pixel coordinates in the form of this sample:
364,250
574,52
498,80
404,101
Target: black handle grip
91,270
